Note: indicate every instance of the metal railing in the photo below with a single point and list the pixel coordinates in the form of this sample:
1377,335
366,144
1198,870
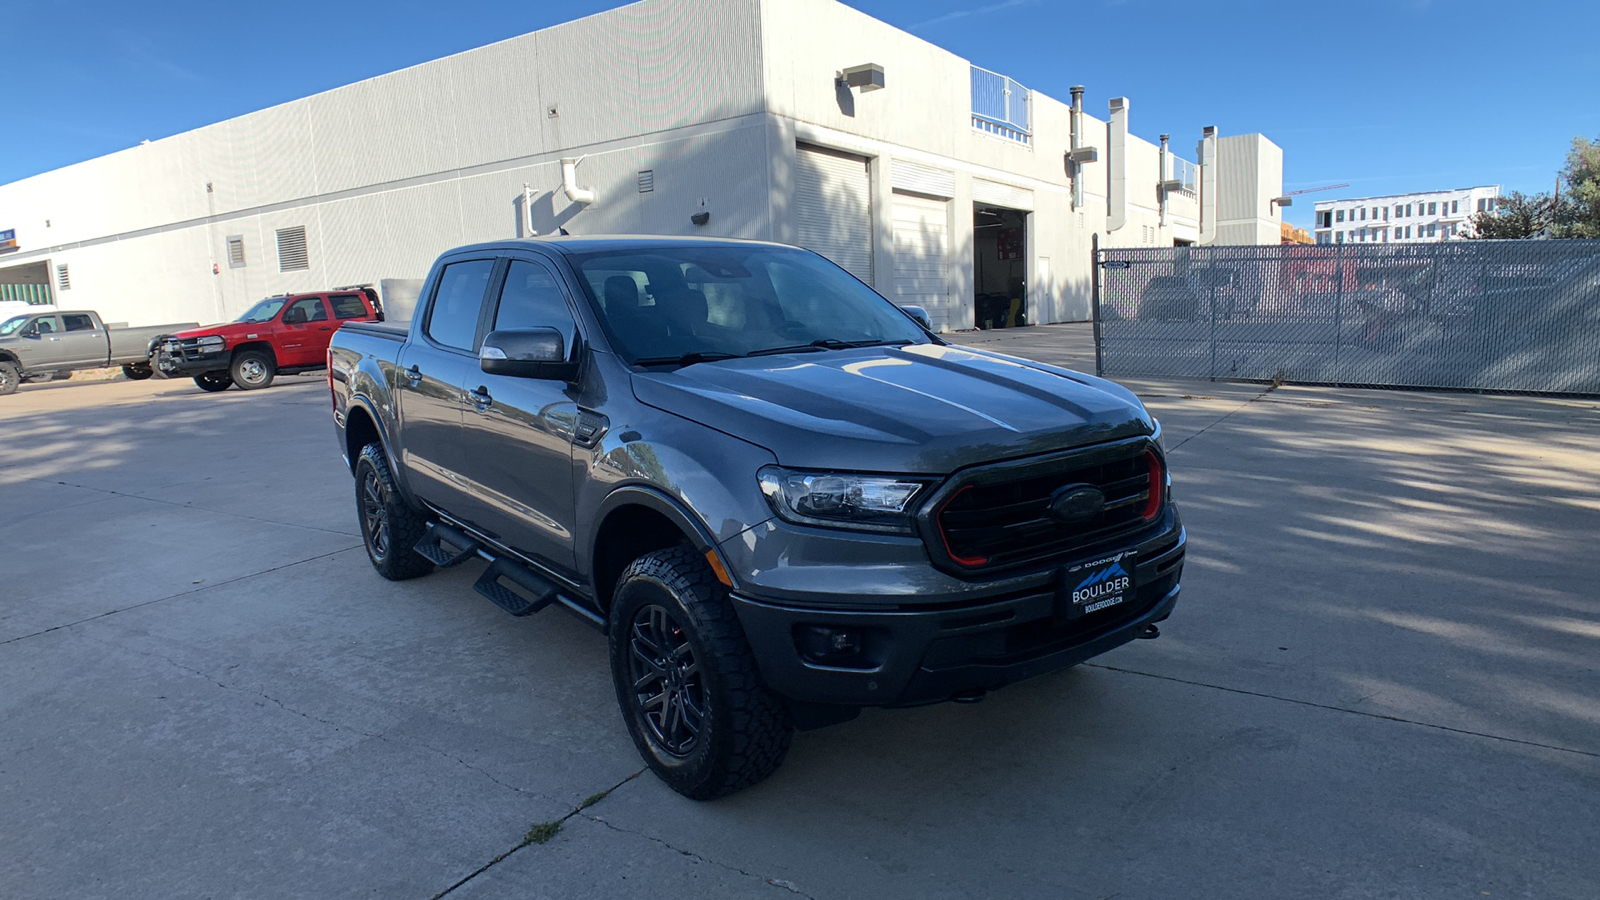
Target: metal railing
1185,173
1483,315
1000,106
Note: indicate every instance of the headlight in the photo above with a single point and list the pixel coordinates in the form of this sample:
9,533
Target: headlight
841,500
210,343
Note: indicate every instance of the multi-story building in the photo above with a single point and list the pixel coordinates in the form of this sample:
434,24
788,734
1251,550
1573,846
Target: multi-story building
1403,218
933,180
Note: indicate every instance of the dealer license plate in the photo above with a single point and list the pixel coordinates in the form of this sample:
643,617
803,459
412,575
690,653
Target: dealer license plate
1097,585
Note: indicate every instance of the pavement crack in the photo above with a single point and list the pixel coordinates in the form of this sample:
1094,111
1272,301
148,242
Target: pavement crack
775,882
220,512
1269,389
1348,711
542,832
207,587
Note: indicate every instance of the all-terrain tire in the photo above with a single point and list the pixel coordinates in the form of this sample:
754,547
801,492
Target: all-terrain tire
252,370
390,527
10,378
744,728
213,381
137,371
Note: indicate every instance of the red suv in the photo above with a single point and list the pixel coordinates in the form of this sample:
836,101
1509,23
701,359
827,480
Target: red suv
285,334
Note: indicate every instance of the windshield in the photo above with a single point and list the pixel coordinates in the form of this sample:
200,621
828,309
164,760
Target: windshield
689,304
263,311
12,324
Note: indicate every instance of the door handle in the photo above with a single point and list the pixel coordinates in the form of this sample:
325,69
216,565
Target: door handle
55,340
325,328
414,376
481,401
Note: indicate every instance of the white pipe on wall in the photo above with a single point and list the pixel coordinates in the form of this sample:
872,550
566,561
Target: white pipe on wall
569,182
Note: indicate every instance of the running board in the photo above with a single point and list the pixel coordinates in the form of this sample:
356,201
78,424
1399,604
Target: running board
445,547
511,601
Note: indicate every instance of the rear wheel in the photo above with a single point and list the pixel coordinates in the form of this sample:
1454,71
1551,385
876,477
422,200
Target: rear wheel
214,381
687,681
137,371
10,377
252,370
390,527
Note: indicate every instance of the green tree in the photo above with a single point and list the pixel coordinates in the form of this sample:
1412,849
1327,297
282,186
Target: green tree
1516,215
1578,215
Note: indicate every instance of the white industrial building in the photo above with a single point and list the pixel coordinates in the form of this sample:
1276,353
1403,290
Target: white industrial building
803,121
1426,216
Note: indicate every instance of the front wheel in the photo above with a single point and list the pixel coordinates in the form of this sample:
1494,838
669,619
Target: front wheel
390,527
687,681
252,370
10,377
213,381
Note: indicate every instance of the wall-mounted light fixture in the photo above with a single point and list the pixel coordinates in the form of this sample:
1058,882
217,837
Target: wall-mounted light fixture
866,78
1280,202
700,218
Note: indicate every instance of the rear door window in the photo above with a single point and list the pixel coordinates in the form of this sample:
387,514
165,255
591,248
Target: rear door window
305,311
348,306
77,322
457,301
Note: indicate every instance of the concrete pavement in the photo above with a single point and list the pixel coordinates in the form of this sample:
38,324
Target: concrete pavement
1380,682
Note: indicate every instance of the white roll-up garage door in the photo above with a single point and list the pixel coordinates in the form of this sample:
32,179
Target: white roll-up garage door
922,256
833,208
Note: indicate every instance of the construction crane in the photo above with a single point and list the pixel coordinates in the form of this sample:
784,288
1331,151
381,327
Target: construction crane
1328,187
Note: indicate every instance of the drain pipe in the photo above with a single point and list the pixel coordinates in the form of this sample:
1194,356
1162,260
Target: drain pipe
1163,178
1078,154
1117,166
527,211
1207,151
569,182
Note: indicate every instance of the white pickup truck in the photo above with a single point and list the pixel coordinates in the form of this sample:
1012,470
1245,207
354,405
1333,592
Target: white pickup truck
50,343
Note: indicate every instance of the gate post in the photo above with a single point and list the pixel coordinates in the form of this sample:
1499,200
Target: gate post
1094,301
1338,309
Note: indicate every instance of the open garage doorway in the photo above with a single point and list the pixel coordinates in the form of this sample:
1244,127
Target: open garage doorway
1000,266
28,283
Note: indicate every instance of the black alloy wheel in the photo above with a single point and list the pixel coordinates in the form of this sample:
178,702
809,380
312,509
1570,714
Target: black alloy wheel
390,527
667,683
687,681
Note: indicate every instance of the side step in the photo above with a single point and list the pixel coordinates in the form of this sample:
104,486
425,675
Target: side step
445,547
488,584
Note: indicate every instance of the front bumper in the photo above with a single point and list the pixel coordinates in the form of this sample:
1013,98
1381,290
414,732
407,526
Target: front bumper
911,656
188,362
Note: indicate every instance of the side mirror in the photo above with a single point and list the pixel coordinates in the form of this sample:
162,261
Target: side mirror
918,315
527,353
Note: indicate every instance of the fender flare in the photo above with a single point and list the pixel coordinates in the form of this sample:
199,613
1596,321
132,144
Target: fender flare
656,500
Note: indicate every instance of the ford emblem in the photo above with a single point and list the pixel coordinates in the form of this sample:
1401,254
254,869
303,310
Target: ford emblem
1076,502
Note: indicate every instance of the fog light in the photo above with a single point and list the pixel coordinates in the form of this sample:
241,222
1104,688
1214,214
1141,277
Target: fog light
823,644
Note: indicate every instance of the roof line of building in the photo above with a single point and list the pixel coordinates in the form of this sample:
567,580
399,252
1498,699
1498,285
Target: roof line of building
1408,194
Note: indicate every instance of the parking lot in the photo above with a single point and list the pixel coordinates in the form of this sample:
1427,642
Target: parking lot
1382,681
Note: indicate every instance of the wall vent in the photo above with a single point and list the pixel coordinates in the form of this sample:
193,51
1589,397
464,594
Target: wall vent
236,251
647,180
292,249
63,278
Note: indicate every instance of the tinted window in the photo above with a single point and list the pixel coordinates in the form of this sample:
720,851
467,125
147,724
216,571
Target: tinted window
46,325
348,306
532,298
78,323
303,311
453,315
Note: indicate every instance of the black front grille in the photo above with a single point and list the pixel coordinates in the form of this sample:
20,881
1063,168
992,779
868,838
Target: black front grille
1001,518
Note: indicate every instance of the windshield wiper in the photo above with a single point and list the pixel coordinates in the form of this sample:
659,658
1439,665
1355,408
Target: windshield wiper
827,344
687,359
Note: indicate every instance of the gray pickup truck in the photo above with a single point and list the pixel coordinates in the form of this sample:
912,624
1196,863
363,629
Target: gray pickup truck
50,344
779,497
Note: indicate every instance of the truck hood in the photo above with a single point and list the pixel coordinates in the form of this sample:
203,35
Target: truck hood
230,331
920,409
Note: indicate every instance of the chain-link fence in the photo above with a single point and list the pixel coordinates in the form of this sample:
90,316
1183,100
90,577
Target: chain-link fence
1487,315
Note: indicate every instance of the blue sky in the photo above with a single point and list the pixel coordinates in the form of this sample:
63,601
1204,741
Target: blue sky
1388,95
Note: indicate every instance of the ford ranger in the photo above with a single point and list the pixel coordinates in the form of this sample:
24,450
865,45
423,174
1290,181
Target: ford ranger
779,496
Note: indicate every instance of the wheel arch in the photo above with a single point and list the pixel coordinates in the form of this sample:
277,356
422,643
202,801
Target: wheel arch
264,346
634,520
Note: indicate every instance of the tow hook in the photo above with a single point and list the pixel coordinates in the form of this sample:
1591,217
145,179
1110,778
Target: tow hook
1149,633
